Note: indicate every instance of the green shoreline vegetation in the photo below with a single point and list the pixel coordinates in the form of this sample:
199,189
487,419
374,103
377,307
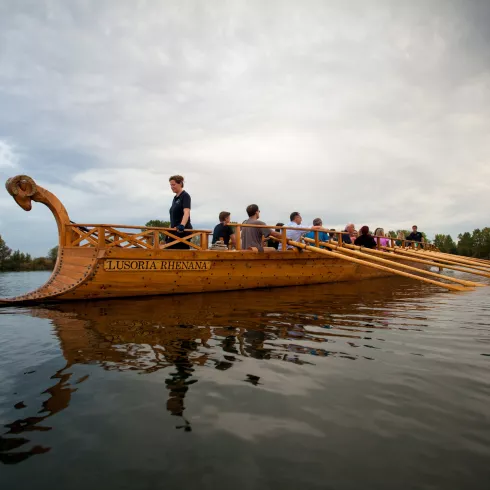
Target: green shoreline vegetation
475,244
19,261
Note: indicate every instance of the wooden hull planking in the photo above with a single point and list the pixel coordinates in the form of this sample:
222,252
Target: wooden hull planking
89,273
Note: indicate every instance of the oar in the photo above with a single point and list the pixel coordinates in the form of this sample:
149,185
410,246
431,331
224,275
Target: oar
341,256
414,256
461,258
458,260
396,264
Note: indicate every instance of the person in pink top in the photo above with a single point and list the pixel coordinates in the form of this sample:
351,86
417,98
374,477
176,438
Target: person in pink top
383,241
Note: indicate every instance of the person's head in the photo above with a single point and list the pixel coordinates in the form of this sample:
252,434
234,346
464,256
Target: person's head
350,228
176,183
414,228
317,222
278,229
379,232
253,210
401,235
295,217
224,217
364,230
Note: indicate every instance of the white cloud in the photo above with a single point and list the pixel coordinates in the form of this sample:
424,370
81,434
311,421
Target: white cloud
376,113
8,156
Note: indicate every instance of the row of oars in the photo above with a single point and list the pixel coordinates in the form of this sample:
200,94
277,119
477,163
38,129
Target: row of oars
385,261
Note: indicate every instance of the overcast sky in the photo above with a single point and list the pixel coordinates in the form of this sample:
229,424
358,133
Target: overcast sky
376,112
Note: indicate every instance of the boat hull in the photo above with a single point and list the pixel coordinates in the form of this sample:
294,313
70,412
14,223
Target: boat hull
91,273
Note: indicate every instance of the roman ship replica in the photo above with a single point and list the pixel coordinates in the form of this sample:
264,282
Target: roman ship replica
97,261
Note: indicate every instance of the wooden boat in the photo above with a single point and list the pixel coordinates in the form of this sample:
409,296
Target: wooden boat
109,261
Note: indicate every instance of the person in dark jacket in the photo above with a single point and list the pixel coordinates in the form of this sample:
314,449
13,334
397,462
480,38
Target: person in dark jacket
365,239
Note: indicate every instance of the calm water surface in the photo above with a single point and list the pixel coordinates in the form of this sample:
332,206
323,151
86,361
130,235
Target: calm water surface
383,384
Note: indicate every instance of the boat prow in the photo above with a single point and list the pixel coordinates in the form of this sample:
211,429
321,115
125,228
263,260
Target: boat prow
73,267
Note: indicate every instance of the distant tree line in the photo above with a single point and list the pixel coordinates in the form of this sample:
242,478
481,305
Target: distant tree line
19,261
476,244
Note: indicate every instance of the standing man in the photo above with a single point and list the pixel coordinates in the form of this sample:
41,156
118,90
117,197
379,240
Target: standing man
252,237
415,236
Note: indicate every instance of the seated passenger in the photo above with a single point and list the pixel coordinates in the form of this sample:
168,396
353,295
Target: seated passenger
346,237
252,237
322,235
296,235
365,239
223,230
275,243
400,238
383,241
333,236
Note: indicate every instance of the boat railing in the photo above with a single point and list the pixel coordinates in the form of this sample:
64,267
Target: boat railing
122,236
153,237
336,235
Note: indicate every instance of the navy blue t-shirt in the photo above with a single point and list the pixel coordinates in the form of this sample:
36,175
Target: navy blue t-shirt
222,231
183,200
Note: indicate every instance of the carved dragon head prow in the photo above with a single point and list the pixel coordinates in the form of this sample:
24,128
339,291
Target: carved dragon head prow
24,190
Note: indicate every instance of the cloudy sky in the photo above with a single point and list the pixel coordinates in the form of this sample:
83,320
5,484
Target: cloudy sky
376,112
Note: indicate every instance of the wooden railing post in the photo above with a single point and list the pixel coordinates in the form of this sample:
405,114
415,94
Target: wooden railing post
284,239
204,241
317,239
156,239
101,233
238,237
339,238
66,236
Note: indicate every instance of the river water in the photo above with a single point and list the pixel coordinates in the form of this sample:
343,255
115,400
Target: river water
381,384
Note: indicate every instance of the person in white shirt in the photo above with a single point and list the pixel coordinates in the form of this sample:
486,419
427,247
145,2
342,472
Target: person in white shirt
296,235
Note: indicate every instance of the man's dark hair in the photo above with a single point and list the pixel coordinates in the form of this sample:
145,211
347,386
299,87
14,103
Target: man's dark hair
223,215
415,226
279,229
252,209
293,215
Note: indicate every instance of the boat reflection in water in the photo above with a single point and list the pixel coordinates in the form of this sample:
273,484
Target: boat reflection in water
213,330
